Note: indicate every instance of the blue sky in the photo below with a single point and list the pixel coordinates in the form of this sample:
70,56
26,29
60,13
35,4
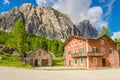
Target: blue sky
99,12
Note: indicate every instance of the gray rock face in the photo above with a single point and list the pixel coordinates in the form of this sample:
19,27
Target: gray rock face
40,21
86,29
9,50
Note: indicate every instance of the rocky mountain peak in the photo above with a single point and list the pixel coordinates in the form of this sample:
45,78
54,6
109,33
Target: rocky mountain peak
87,29
41,21
27,7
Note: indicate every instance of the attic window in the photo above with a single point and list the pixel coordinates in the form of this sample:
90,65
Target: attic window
39,51
68,45
102,42
80,42
73,43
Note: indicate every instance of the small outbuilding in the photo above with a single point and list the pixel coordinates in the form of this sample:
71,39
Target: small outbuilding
39,57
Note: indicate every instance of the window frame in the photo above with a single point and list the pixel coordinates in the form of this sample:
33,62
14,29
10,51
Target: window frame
102,49
75,51
75,61
69,45
110,51
82,62
95,48
69,52
102,42
81,50
80,42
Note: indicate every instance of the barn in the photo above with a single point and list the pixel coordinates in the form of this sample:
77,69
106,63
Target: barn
39,57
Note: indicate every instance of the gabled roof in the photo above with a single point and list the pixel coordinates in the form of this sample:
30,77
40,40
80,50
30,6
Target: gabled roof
30,52
81,37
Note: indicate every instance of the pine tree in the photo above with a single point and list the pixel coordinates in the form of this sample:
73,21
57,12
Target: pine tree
104,31
19,36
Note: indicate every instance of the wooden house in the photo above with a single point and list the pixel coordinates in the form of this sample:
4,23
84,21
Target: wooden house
39,57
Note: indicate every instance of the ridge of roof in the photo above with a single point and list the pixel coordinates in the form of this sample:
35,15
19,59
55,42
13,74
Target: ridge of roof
96,38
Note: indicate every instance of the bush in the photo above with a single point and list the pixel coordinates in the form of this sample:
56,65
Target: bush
58,61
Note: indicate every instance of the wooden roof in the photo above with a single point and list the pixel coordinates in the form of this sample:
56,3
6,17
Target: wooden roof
81,37
31,52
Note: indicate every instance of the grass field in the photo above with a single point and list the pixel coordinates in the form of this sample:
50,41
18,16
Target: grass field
8,60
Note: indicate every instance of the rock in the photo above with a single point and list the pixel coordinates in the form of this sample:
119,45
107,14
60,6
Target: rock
41,21
87,29
9,50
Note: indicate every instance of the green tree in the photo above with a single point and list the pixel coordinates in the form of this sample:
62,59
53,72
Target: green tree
104,31
19,35
118,45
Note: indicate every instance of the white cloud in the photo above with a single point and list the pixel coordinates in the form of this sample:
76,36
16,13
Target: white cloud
109,6
95,16
78,10
116,35
45,2
6,2
40,2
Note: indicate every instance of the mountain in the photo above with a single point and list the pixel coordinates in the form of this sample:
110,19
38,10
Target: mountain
87,29
41,21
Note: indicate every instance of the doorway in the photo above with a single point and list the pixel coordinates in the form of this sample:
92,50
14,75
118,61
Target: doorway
103,62
31,61
44,62
69,62
36,62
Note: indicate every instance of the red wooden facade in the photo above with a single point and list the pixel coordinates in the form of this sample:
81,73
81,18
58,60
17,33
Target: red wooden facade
91,53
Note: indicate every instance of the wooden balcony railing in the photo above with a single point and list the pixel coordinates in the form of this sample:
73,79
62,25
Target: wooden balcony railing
85,54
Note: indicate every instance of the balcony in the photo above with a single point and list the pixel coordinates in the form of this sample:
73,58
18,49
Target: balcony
98,54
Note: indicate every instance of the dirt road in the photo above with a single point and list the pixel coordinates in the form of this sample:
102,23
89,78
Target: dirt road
10,73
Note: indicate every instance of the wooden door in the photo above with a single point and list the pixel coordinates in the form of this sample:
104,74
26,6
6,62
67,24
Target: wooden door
44,62
31,61
103,62
36,62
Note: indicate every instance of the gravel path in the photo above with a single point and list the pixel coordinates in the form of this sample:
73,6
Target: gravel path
10,73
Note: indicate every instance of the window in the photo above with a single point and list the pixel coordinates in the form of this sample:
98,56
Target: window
75,51
68,45
39,51
102,50
73,44
69,52
81,50
94,50
81,61
111,50
102,42
80,42
95,61
75,61
112,60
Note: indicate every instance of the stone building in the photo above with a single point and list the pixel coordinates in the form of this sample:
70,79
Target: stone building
39,57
